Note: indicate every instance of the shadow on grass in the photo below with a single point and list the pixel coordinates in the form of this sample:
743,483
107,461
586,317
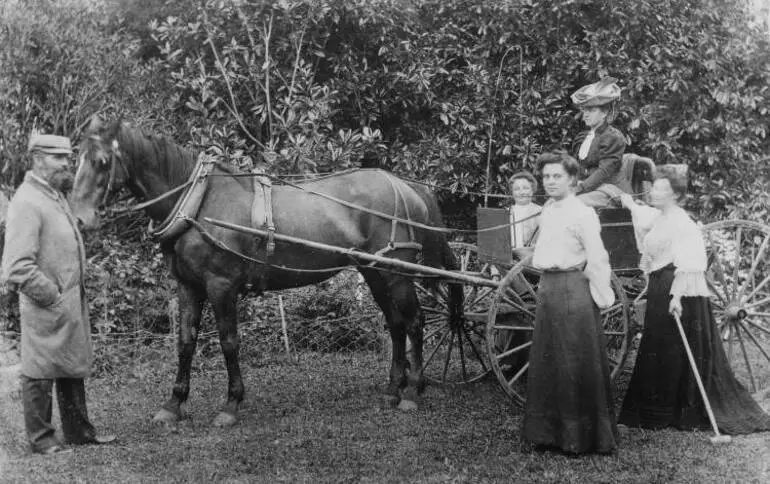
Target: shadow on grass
323,420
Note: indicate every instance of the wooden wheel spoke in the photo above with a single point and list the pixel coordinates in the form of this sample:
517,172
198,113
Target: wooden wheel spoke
518,375
758,326
737,261
470,296
433,297
715,291
719,270
435,317
746,359
461,349
757,303
476,351
611,311
761,315
481,295
435,312
475,329
432,333
448,356
511,351
755,341
754,264
510,292
465,258
518,307
758,287
433,353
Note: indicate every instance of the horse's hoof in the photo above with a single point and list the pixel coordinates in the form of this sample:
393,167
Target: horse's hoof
407,405
224,419
165,417
390,399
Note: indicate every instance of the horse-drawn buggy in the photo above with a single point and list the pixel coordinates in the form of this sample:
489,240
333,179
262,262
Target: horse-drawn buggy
503,315
224,232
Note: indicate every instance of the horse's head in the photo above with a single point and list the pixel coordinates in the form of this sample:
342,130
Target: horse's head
100,171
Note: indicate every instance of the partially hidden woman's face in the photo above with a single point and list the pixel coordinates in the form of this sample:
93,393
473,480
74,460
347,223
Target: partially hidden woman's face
661,194
594,116
556,181
522,191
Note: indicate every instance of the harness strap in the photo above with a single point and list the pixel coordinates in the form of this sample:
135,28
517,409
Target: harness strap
262,209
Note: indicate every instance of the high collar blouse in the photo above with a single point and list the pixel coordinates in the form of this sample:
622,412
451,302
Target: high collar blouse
570,236
672,238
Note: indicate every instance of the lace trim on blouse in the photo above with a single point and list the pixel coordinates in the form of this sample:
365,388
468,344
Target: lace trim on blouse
673,238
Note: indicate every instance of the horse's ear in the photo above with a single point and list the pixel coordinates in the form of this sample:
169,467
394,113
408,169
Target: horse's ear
95,124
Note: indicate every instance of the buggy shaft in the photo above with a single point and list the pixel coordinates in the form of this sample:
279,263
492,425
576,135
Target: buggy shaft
388,261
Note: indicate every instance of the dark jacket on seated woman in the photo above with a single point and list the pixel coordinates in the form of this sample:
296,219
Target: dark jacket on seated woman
602,166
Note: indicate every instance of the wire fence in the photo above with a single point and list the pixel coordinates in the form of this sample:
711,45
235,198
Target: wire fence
337,317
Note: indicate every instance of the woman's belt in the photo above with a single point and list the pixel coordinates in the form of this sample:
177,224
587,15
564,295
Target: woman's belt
575,268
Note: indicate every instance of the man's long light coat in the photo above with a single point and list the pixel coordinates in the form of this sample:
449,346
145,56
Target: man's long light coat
44,259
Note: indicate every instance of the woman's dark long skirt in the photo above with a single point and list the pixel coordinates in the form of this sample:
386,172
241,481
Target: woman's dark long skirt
663,391
569,397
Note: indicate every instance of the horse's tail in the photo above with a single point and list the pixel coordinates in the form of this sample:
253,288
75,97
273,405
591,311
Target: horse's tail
436,251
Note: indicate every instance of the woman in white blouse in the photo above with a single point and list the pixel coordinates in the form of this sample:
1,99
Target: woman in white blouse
524,212
663,391
569,399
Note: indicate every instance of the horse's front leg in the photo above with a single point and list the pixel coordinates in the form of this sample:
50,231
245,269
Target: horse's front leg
223,298
190,307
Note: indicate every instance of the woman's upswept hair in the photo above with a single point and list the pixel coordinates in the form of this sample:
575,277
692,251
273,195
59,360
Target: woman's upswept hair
676,174
561,157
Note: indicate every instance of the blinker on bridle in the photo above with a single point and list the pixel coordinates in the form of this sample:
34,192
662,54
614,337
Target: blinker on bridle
115,159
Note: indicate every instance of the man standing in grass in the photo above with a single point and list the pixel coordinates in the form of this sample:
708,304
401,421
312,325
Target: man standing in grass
44,259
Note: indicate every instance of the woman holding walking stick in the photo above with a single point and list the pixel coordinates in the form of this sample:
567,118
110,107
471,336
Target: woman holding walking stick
663,390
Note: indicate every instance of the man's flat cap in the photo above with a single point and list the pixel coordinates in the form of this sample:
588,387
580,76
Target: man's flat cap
49,143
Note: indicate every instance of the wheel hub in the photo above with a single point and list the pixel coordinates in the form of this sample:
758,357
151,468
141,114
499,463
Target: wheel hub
735,313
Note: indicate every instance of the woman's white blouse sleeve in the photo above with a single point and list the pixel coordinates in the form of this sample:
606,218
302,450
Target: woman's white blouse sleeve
689,253
643,218
597,260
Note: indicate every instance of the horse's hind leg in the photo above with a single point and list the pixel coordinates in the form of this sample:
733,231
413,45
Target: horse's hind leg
407,309
396,297
190,306
223,296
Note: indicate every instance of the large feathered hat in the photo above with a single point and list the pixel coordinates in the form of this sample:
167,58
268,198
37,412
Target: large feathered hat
597,94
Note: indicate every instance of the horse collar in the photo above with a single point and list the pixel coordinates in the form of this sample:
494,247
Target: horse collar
189,202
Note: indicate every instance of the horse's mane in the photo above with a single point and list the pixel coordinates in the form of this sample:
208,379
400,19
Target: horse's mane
156,153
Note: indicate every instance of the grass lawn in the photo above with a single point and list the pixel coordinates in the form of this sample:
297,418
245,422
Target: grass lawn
323,420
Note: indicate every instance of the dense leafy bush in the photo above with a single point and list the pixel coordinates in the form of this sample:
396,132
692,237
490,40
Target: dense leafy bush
456,92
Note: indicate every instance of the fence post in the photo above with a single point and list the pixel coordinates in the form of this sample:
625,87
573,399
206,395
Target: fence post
284,330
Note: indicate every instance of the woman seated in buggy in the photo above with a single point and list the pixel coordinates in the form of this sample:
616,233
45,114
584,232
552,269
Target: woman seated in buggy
600,154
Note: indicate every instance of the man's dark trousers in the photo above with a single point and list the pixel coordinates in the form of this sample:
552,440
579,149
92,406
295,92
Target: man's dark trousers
37,396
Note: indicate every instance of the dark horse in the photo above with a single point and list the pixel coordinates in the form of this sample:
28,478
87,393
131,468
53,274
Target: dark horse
118,155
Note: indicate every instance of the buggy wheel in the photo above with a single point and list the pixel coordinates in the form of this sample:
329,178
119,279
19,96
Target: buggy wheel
453,351
738,276
511,323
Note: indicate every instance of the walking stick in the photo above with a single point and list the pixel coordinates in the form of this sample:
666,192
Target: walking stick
717,438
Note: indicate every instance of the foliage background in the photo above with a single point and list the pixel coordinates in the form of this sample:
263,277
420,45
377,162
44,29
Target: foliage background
431,89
